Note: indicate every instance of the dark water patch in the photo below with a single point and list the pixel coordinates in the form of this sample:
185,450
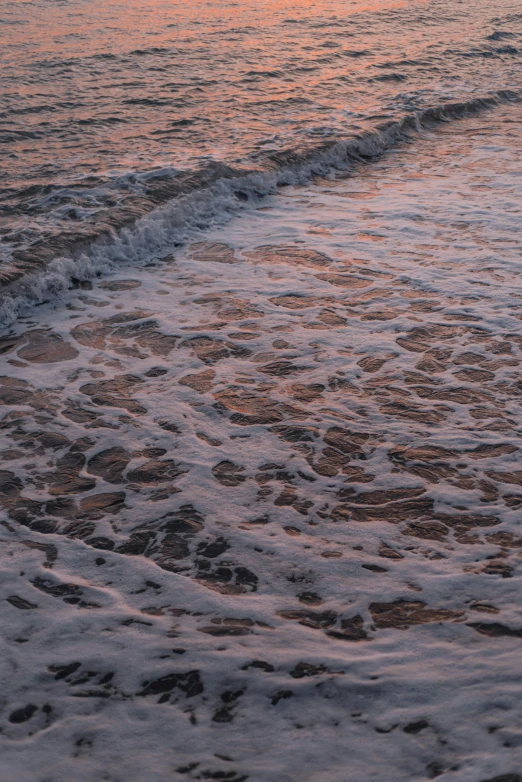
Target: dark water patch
151,50
146,102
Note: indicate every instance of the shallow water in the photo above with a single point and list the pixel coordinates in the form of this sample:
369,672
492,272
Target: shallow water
262,494
103,104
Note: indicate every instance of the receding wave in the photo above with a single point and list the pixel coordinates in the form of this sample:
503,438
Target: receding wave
178,207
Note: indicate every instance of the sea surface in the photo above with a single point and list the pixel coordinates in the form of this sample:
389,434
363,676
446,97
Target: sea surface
108,109
260,384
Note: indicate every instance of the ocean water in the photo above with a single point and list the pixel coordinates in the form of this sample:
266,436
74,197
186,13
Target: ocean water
108,109
260,481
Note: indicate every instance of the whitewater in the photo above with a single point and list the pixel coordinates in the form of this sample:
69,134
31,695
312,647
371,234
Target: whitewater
261,342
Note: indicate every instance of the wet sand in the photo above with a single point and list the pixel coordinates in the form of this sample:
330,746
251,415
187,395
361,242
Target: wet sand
261,498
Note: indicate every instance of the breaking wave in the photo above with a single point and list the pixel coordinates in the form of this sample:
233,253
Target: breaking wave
182,206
